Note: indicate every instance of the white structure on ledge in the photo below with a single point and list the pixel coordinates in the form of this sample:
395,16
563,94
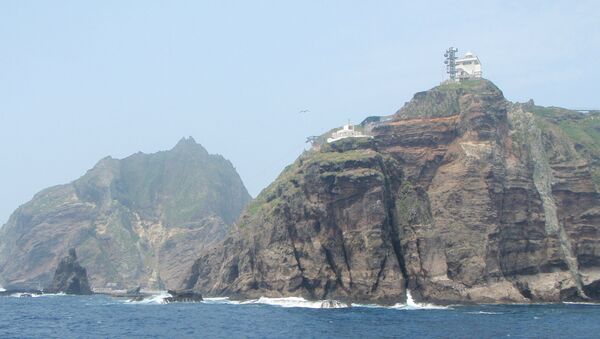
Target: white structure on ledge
468,67
347,131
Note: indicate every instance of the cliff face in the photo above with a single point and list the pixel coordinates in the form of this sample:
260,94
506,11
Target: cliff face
461,196
136,221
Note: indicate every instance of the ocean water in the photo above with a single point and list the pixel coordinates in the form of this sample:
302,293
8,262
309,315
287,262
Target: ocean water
98,316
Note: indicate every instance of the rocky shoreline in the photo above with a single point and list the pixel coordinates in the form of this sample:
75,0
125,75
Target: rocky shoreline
460,197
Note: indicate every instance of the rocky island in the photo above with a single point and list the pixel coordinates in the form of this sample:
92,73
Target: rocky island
138,221
460,197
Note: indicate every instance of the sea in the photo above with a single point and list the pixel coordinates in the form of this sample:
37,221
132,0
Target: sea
101,316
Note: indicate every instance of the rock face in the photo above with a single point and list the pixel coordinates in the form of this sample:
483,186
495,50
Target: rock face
461,196
139,221
70,277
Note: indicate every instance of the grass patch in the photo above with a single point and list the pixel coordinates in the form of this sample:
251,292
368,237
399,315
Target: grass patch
583,131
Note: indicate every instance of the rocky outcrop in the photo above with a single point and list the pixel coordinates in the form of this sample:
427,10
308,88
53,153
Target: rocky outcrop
188,296
139,221
70,277
461,196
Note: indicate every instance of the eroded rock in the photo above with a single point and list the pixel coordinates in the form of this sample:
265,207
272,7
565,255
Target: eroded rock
70,277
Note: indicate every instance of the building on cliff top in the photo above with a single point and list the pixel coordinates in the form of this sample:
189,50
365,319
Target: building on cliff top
347,131
467,67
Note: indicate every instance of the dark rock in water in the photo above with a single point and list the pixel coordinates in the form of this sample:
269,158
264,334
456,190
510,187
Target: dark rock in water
22,292
183,296
134,291
70,277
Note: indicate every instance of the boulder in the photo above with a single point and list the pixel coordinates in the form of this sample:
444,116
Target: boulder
70,277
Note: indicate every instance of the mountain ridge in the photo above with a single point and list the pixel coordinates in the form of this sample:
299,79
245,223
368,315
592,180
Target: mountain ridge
125,216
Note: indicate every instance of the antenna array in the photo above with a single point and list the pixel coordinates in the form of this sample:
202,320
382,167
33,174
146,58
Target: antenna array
451,62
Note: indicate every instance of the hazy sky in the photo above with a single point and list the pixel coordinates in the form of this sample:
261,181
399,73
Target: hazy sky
80,80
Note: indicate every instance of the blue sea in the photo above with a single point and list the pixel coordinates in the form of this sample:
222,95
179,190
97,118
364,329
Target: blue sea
99,316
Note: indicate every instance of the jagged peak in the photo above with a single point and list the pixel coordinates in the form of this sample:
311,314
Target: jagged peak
106,164
187,144
186,141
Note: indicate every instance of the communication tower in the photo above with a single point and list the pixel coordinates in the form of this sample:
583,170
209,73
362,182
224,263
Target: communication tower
451,62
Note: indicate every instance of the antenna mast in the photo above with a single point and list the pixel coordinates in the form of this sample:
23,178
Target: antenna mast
451,62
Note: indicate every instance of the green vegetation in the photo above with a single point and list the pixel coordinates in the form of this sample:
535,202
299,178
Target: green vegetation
555,114
180,186
443,100
272,194
348,144
49,199
468,84
289,182
582,129
338,157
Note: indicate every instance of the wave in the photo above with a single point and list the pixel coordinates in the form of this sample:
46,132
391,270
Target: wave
2,289
581,303
412,305
484,312
220,300
297,302
303,303
153,299
33,295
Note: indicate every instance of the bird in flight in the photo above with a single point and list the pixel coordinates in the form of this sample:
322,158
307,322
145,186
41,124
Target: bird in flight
304,111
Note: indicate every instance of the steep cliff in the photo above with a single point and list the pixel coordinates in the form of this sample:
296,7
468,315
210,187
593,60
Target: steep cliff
136,221
461,196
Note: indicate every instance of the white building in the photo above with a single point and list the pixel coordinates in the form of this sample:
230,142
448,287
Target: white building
347,131
468,67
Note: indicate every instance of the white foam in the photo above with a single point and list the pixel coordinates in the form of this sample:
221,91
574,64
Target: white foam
153,299
2,289
296,302
412,305
221,300
580,303
368,305
32,295
484,312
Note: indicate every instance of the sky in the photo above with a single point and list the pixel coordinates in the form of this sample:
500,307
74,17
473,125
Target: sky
81,80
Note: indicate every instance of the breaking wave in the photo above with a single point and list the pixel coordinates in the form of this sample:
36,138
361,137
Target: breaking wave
220,300
303,303
412,305
33,295
2,289
297,302
153,299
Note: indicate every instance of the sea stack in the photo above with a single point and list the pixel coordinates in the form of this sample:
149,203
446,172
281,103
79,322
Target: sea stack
70,277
